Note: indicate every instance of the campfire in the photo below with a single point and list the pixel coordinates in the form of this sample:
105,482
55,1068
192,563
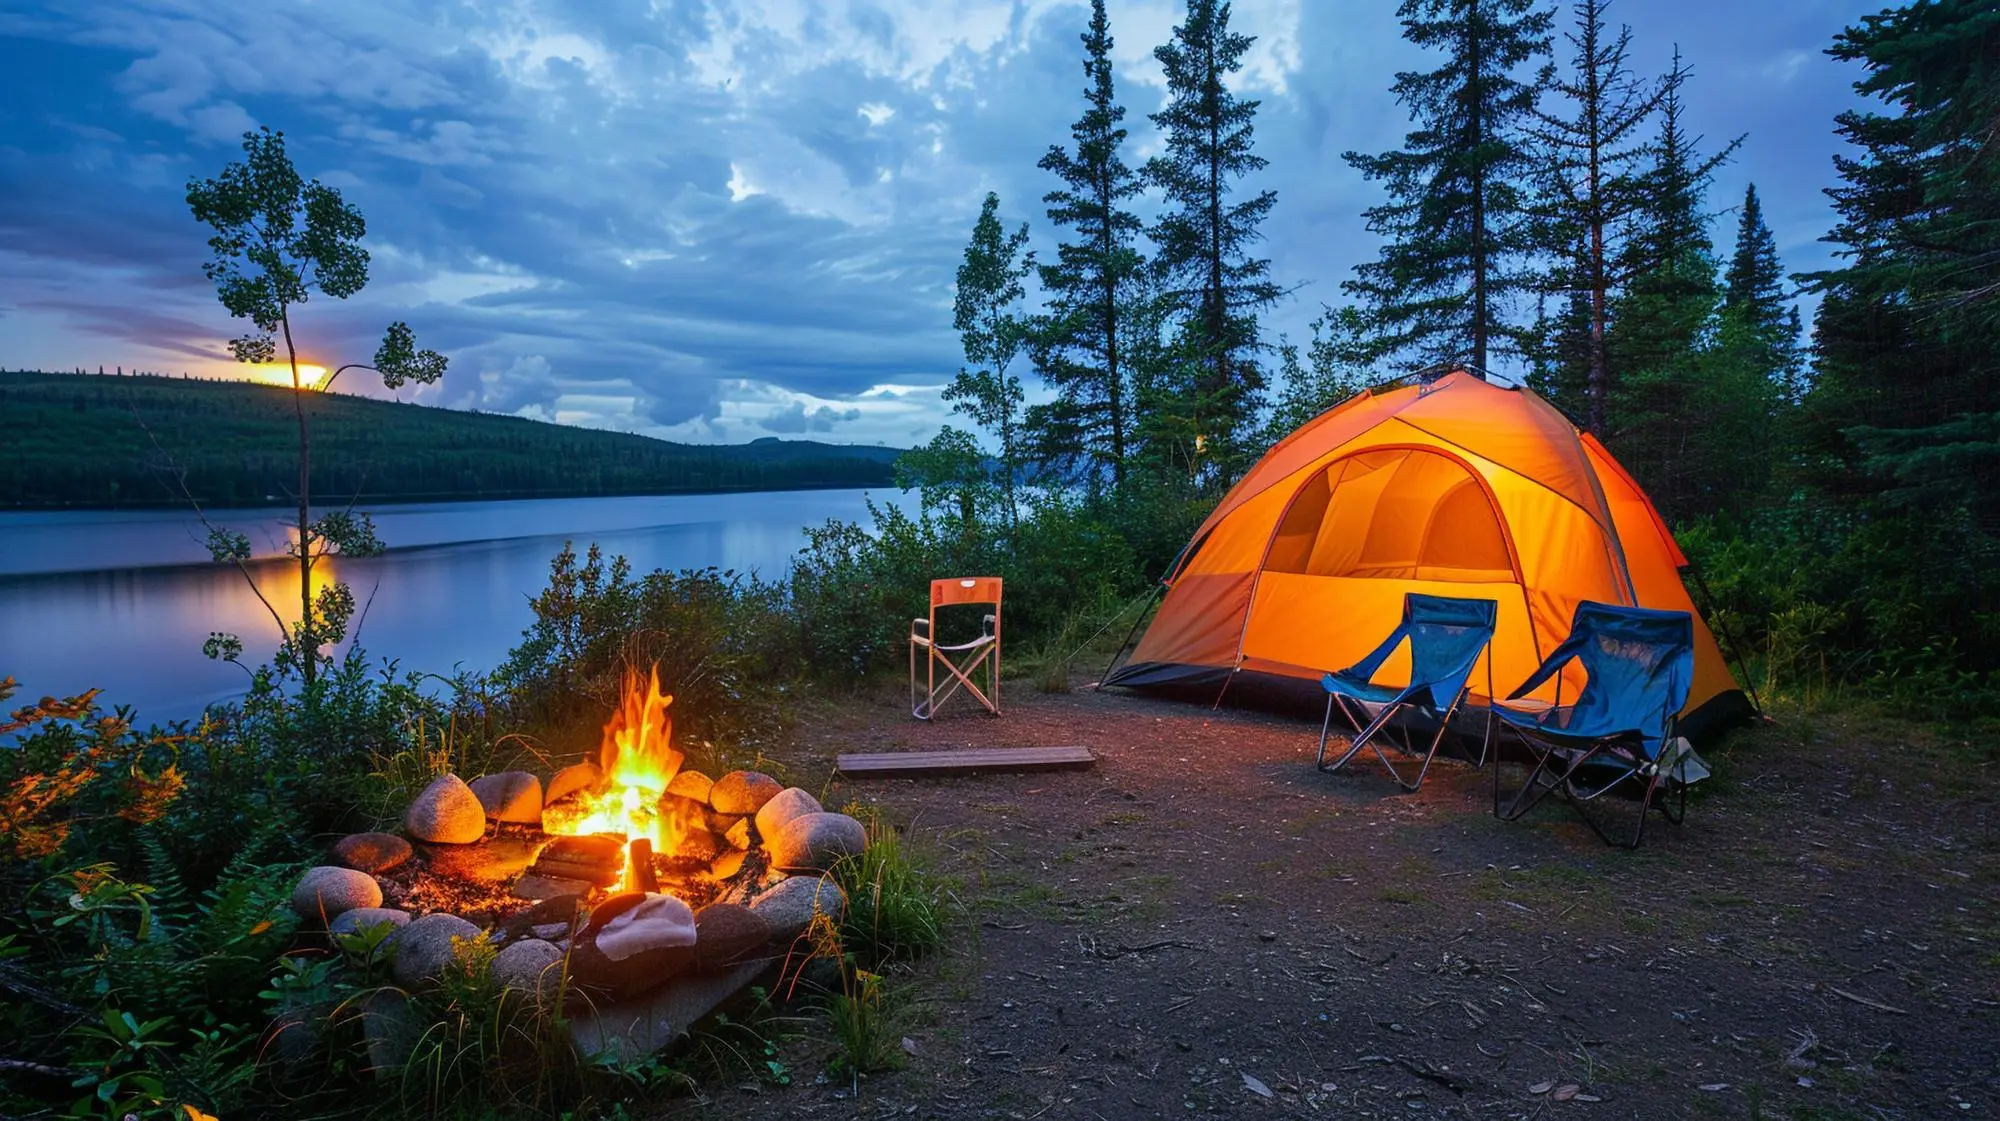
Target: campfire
643,875
630,802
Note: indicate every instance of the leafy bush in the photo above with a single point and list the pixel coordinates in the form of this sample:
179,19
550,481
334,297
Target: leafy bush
711,633
1906,606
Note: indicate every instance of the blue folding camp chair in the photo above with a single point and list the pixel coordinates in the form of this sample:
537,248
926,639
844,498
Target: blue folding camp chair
1446,636
1620,732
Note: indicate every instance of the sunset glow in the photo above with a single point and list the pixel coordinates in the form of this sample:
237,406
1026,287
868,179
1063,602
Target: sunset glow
280,373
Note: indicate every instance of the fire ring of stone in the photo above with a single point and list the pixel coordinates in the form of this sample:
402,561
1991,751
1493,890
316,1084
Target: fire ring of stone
666,891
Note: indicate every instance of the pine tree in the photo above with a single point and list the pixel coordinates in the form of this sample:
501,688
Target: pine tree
1680,422
1755,317
1588,155
1203,238
1903,408
1079,344
991,333
1457,222
1754,282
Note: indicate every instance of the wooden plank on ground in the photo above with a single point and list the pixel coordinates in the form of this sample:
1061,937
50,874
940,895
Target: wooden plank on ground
921,764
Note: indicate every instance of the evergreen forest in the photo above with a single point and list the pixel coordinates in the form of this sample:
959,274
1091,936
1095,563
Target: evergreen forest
150,440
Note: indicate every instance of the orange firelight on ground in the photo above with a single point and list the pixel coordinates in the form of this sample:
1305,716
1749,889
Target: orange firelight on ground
280,373
638,760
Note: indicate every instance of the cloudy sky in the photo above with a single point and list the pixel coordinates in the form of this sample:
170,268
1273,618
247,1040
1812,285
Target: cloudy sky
711,220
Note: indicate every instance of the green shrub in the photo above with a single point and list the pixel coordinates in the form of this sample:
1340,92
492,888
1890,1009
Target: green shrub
896,910
1905,606
712,634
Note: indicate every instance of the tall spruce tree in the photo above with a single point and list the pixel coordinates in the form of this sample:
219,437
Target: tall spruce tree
1203,235
991,333
1679,420
1080,343
1756,323
1589,155
1458,222
1903,404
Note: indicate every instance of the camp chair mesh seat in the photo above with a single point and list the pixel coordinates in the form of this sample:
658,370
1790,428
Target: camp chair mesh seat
962,660
1446,637
1619,734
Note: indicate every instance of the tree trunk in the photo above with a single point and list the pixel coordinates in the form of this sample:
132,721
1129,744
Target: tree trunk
308,646
1218,308
1596,384
1114,381
1476,129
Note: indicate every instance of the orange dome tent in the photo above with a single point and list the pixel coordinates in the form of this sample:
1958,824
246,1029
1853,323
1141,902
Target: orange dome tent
1452,486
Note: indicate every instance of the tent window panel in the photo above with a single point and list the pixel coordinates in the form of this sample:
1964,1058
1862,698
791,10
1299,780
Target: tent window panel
1393,514
1292,549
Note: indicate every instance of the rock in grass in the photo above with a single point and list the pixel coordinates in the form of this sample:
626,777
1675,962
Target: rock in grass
446,813
743,792
324,893
390,1030
530,965
361,918
790,802
511,796
790,905
727,934
632,943
424,947
373,853
692,785
569,780
813,842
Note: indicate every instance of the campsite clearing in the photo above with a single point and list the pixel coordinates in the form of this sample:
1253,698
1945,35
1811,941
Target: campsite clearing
1205,924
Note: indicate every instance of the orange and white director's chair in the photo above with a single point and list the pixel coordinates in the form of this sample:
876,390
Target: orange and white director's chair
962,661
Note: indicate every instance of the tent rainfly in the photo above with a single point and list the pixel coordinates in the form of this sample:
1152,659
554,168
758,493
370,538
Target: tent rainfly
1453,486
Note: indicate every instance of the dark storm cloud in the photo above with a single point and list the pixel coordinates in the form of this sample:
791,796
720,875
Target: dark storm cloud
714,219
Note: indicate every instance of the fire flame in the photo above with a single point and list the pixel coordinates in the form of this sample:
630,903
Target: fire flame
638,760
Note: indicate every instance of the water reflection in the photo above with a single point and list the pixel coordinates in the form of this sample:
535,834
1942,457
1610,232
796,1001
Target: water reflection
76,611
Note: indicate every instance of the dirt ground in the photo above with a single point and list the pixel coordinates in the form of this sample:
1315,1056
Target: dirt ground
1205,924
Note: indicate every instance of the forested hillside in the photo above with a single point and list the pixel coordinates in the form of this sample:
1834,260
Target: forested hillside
87,440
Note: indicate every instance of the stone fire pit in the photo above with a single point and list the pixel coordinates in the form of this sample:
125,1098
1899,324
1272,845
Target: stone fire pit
704,886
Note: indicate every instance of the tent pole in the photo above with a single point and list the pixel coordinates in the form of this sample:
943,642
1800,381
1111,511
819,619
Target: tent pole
1728,636
1151,597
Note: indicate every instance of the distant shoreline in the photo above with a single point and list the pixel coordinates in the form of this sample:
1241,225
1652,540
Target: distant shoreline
90,442
287,504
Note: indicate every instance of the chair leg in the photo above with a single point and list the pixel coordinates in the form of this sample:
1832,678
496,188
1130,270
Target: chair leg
1325,725
1444,725
1362,738
1535,783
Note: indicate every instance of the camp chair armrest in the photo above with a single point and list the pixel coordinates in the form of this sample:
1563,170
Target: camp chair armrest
920,628
1562,656
988,625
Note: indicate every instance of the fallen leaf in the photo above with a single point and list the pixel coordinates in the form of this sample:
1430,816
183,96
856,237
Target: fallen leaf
1588,1098
1329,1087
1257,1088
1541,1087
909,1045
1565,1092
1713,1086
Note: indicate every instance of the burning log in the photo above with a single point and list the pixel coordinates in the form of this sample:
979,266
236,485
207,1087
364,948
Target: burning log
639,873
594,858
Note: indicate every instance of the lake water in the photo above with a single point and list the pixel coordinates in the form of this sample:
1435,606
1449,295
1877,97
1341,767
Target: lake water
122,600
